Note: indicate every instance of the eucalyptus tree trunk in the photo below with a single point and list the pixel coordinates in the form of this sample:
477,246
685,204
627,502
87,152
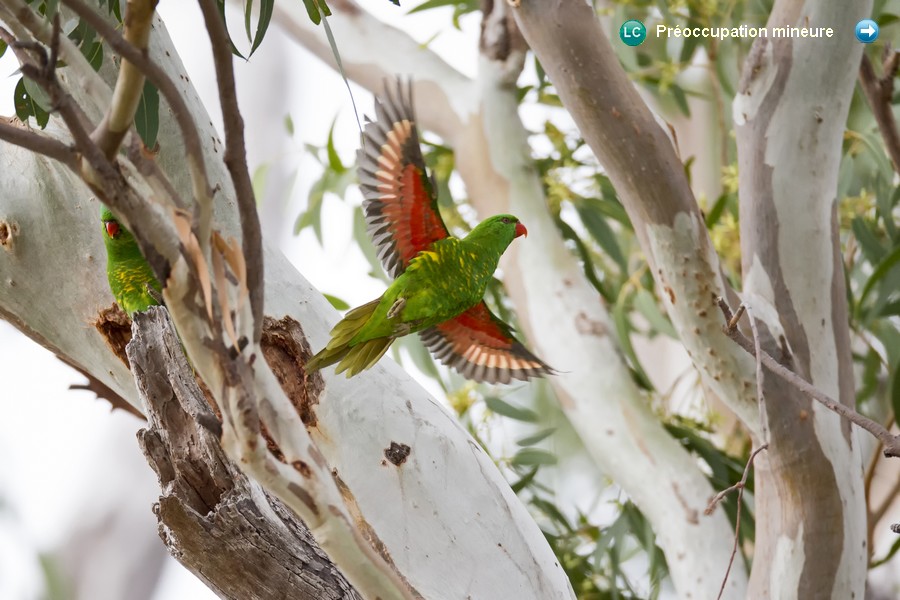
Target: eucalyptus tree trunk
790,114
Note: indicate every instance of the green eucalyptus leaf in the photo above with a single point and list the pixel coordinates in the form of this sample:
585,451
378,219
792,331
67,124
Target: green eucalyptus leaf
525,480
680,99
872,249
334,161
430,4
37,94
26,107
886,199
266,8
146,118
259,181
601,232
336,302
647,306
715,213
312,9
533,457
623,333
501,407
93,54
534,438
248,19
887,557
220,4
884,268
587,259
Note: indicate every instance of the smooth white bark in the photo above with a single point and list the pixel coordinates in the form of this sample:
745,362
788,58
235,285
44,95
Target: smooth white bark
791,113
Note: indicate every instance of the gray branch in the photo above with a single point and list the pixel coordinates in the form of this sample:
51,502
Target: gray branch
221,526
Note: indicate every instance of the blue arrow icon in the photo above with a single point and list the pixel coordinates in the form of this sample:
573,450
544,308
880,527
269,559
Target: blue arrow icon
867,31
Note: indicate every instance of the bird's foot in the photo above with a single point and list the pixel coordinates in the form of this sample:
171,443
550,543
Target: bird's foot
155,294
395,309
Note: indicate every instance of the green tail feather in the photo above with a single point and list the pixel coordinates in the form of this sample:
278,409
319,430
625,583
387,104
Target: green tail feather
363,356
358,357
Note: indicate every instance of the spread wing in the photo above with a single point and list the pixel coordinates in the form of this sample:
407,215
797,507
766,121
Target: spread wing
400,201
481,347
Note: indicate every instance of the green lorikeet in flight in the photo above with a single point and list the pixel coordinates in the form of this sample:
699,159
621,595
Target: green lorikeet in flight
129,274
439,281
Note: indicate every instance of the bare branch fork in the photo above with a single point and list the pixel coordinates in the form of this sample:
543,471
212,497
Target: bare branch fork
890,442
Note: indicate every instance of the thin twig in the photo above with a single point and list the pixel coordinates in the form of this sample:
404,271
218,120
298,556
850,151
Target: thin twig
733,320
236,160
119,116
739,486
193,149
879,92
100,389
40,144
891,442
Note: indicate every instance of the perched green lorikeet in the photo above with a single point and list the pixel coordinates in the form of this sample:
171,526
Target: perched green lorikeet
439,281
128,273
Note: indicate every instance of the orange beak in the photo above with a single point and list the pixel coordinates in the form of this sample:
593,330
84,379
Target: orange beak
112,229
520,230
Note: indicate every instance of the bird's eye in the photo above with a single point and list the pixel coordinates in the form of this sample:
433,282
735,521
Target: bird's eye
505,220
112,229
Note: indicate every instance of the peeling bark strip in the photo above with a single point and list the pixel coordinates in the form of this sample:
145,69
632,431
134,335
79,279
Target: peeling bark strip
237,539
8,233
114,327
286,350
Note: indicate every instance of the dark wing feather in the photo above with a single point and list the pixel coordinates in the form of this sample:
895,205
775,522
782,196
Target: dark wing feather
482,348
400,204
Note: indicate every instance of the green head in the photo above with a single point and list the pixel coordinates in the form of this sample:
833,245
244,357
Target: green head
499,229
119,241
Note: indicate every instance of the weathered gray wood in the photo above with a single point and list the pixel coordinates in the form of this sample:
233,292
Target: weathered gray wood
220,525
